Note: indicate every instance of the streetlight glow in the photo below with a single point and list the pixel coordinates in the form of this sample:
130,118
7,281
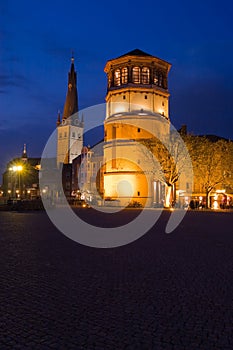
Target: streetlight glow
17,169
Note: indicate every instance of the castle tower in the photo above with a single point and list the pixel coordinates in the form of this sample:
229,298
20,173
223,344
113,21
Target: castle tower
137,108
69,126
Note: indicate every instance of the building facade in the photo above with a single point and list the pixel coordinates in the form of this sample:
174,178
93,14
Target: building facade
137,109
87,174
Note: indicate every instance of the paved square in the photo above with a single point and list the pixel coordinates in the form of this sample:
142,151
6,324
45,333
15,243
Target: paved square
159,292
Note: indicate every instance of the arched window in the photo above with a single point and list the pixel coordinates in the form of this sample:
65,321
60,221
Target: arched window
117,77
156,78
124,75
136,75
145,75
160,79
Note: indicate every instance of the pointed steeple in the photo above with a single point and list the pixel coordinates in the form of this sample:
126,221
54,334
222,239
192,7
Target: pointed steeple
71,103
58,118
24,154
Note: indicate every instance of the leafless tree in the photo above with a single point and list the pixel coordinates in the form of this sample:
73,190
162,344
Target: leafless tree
167,158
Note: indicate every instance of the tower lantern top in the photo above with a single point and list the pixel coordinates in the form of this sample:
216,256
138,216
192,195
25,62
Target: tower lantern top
137,68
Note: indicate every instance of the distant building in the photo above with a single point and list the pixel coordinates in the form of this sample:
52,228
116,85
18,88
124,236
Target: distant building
21,178
87,173
69,132
69,125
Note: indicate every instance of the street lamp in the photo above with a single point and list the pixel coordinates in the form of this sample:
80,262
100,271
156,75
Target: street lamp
17,169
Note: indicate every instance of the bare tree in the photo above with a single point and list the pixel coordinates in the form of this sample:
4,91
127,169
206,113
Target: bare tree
167,159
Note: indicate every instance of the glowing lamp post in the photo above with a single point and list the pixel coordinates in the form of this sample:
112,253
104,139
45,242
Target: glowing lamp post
17,169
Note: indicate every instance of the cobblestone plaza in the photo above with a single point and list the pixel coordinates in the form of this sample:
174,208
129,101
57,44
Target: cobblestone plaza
159,292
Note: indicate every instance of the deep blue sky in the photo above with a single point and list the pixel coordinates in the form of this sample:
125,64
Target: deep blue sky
36,39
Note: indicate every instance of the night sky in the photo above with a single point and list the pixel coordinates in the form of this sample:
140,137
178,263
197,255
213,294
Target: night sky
37,38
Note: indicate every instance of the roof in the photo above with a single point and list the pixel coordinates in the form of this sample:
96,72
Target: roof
71,102
136,52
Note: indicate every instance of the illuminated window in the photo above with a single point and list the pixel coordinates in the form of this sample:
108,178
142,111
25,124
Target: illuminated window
156,79
117,77
145,75
160,79
124,75
136,75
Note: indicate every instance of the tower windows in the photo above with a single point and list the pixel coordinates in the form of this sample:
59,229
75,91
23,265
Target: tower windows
124,75
145,75
139,76
117,77
160,79
156,79
136,75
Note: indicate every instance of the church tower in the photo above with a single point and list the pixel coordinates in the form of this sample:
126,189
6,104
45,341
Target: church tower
69,126
24,154
137,107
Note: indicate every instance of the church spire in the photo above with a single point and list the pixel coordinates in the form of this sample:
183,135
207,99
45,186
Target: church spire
71,103
24,154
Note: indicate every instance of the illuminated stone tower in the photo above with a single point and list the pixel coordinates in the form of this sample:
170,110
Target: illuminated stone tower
69,126
137,107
